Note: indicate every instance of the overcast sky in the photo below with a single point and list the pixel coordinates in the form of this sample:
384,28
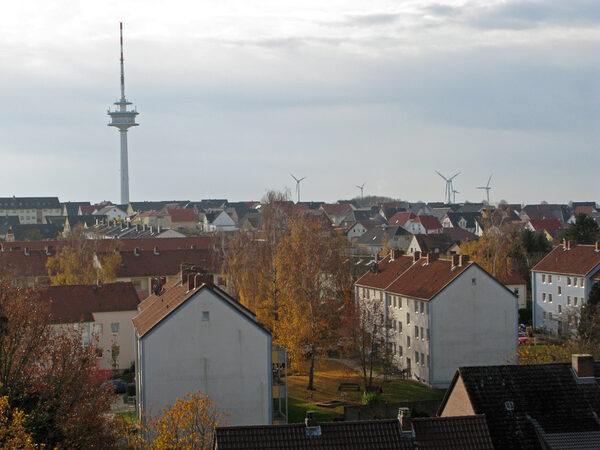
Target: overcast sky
236,95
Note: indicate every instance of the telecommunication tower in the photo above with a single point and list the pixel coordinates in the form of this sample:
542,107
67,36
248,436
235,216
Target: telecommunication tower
123,119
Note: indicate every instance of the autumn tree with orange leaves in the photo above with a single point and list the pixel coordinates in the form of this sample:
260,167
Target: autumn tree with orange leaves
80,261
188,424
312,284
49,375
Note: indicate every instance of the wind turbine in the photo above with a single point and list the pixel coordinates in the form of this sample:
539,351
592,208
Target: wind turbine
487,188
298,180
449,188
454,196
361,187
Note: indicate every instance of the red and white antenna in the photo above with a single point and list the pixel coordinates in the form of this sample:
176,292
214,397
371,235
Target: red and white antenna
122,65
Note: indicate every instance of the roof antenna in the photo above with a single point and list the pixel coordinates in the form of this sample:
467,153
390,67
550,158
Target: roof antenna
122,65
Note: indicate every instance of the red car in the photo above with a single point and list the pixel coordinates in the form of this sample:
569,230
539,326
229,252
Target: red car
524,339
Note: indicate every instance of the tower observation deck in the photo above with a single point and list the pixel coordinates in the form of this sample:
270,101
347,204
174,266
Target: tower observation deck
123,119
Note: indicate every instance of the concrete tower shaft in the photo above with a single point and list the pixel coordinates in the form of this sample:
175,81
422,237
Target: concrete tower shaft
123,119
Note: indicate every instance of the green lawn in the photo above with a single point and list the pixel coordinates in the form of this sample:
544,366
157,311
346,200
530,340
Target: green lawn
328,376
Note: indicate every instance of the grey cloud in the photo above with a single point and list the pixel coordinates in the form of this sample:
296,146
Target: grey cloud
529,14
371,19
437,9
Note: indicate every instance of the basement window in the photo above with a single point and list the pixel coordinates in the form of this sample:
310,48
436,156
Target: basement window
205,316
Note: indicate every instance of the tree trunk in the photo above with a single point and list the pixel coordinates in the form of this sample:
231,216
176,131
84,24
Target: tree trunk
311,373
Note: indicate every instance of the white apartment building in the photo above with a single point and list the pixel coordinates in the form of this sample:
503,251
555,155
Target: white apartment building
30,210
191,336
560,285
441,314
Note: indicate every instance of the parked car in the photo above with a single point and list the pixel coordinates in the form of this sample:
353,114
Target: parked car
524,339
119,386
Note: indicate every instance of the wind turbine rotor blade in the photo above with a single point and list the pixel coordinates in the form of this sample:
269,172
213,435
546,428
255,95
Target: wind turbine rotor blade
488,183
454,176
441,175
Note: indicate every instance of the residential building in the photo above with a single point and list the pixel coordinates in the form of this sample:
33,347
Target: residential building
441,314
160,219
432,243
468,432
30,210
183,218
533,406
424,224
218,221
111,212
191,336
375,239
464,220
560,285
102,312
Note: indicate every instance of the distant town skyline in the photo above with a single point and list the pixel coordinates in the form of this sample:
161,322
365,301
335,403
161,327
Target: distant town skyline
234,96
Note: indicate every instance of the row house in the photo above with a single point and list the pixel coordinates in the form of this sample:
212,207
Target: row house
561,284
101,312
440,314
30,210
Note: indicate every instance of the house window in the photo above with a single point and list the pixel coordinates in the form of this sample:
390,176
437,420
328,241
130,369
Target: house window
543,278
417,357
387,302
422,334
549,278
400,302
473,281
399,350
427,333
399,327
98,329
416,306
559,309
575,301
543,296
205,316
427,360
114,328
417,332
549,316
549,298
426,308
422,358
568,281
395,302
408,341
422,307
394,325
575,282
544,315
559,290
568,299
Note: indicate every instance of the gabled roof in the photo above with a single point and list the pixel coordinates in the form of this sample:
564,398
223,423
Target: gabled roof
546,224
434,243
467,432
579,260
166,262
35,231
72,208
182,215
375,235
332,208
547,393
156,205
387,272
400,218
87,209
425,280
78,303
155,309
29,203
459,234
428,222
469,217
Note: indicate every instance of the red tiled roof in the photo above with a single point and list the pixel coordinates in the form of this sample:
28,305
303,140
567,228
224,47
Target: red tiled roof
401,217
72,304
174,243
152,214
387,273
584,209
429,222
424,280
167,262
546,224
460,235
89,209
579,260
182,215
332,208
146,263
175,293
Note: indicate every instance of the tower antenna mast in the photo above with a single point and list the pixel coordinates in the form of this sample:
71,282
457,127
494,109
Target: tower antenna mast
123,119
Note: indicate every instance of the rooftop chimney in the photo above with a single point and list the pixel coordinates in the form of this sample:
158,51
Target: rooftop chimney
395,254
567,245
404,419
312,427
462,260
136,251
431,257
597,246
156,250
455,260
416,256
583,366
